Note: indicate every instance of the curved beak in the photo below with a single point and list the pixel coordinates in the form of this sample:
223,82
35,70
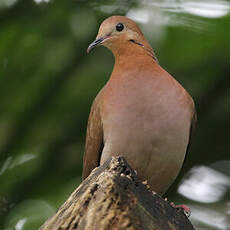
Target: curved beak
94,44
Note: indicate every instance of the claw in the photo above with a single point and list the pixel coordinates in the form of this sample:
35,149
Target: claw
182,207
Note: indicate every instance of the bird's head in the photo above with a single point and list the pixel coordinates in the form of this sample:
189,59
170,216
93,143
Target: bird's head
118,31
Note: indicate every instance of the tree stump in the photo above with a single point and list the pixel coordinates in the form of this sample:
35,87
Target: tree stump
113,197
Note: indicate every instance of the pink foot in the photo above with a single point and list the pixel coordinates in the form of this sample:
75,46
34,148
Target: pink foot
183,207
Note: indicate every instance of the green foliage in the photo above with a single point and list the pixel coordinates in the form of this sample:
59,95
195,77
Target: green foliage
48,82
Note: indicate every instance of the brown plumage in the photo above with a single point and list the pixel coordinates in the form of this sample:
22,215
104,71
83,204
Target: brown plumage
142,112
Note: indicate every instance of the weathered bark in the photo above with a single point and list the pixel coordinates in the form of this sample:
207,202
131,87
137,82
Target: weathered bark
113,197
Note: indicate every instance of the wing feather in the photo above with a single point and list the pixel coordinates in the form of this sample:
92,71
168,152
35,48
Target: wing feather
94,140
192,129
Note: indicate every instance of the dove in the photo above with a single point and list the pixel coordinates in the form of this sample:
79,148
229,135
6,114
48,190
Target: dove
142,113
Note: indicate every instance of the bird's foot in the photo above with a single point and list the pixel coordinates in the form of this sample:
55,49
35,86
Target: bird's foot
182,207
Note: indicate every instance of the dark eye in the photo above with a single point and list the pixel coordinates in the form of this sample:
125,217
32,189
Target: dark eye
119,27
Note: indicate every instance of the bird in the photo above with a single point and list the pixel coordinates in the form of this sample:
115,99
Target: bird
142,112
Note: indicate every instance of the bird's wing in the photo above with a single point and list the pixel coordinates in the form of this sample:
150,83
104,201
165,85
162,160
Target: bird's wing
94,140
192,129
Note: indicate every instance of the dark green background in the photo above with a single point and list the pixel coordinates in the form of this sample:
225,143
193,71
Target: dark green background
48,82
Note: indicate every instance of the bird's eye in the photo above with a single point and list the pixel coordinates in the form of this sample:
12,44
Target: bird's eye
119,27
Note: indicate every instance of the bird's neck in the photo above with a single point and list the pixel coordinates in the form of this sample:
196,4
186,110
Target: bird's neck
132,50
133,54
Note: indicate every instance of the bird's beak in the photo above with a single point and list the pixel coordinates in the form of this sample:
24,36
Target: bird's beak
94,44
97,42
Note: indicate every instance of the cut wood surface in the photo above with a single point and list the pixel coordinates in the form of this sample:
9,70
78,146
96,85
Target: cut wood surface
113,197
